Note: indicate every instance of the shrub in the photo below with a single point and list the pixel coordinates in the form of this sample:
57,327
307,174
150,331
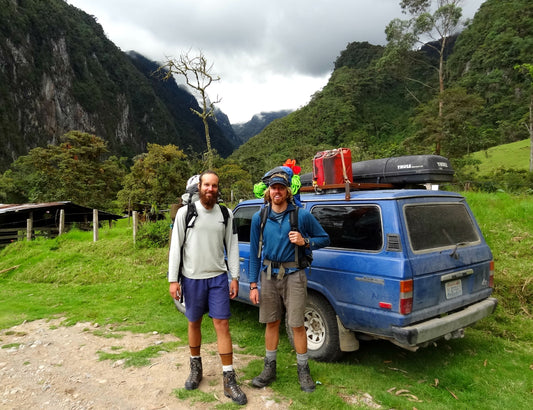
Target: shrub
154,234
508,180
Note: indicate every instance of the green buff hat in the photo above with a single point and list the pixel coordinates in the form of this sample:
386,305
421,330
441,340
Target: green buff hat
279,175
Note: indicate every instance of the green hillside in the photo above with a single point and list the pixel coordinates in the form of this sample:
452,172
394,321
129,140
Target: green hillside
509,156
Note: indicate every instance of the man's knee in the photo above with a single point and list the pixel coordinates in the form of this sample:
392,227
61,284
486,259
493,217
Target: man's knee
273,325
221,325
197,324
299,331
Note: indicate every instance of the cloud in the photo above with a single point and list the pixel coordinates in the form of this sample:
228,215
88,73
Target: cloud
270,54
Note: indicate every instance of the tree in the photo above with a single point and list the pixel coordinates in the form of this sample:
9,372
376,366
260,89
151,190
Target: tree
157,179
499,38
235,183
197,74
528,70
403,35
76,170
456,130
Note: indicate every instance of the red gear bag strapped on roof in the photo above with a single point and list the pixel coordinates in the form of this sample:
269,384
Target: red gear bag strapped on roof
332,167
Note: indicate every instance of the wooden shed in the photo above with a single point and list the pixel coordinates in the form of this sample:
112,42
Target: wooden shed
16,220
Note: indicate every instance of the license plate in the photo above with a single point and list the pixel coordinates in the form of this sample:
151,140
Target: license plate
453,289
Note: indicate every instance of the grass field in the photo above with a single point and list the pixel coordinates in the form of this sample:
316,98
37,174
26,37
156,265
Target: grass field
112,282
510,156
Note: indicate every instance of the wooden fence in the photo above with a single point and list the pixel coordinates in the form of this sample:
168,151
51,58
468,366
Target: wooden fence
8,235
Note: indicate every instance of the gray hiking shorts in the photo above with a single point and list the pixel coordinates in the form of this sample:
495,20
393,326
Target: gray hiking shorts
289,292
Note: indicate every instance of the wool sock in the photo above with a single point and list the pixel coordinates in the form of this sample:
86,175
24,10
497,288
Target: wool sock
302,358
271,355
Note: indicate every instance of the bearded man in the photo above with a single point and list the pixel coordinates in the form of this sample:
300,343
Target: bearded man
199,252
283,281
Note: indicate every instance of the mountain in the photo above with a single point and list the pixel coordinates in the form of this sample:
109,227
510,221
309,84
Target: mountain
225,126
59,72
245,131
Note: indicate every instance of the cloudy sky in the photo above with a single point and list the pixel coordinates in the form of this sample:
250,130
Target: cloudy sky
270,54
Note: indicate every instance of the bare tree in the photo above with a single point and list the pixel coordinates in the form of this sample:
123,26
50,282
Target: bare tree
197,74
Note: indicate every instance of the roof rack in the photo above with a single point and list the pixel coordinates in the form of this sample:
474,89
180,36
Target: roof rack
346,187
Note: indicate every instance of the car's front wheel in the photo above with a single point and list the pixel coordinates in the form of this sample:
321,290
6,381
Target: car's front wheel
321,329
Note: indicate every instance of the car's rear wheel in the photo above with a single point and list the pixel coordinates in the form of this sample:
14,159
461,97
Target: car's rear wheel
180,305
321,329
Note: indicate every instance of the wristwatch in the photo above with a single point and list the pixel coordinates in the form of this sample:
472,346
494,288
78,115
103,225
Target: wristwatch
307,244
253,287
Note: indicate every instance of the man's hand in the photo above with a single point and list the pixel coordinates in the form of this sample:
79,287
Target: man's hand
254,293
233,289
175,290
296,238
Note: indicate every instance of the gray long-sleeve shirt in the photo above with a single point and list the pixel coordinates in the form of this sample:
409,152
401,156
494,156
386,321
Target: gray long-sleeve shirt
203,253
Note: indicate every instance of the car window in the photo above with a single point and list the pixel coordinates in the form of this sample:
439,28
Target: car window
355,227
242,220
432,226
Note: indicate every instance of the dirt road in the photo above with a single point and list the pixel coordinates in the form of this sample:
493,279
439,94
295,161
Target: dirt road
44,365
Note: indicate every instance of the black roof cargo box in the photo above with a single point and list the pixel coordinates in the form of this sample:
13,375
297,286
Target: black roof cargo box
409,169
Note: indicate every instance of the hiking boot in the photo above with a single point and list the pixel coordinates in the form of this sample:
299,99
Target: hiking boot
196,374
267,376
304,377
232,389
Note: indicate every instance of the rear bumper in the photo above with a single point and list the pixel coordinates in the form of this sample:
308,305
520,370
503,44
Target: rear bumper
440,327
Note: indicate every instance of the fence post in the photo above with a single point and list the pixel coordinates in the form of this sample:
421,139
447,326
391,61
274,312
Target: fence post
135,222
95,225
173,211
61,221
29,228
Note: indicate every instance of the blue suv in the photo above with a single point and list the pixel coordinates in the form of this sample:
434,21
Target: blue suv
406,265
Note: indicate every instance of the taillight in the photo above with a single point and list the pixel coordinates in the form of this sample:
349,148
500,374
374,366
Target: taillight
406,296
491,274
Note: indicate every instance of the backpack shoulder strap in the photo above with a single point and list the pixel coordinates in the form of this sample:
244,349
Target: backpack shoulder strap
263,215
225,214
293,218
190,217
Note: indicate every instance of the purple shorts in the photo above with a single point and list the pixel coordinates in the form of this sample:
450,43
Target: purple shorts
206,295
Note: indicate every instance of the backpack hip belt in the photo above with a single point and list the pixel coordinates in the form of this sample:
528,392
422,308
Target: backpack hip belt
281,265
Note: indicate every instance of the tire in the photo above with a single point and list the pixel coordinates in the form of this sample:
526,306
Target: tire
320,323
180,305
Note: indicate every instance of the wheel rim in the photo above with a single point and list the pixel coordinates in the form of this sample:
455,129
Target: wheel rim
315,329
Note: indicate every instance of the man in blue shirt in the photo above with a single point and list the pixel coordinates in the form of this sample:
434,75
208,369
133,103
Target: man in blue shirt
283,282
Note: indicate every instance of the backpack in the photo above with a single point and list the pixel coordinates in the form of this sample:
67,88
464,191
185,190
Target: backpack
302,257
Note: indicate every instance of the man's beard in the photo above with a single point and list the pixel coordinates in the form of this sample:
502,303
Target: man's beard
208,201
